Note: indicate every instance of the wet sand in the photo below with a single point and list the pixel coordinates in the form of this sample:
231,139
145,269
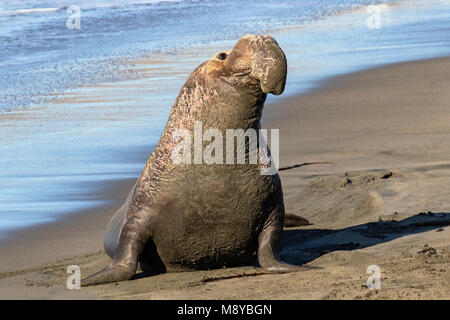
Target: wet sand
384,201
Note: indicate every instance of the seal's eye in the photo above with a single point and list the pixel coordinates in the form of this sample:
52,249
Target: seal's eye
222,56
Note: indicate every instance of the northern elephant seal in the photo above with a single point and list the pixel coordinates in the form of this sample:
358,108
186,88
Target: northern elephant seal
184,216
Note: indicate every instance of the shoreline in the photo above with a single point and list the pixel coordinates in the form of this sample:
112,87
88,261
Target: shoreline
363,131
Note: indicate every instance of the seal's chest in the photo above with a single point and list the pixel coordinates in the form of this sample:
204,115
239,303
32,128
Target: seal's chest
214,224
218,203
220,190
220,199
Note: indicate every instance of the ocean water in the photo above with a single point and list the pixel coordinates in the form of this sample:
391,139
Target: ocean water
79,107
40,55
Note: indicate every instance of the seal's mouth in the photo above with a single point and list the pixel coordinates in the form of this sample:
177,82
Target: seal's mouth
242,74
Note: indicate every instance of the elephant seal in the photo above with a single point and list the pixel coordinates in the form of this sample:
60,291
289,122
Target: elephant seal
203,216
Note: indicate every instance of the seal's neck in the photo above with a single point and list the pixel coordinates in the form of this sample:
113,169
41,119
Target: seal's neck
217,107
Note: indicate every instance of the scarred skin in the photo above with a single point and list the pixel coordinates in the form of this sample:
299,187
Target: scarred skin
198,216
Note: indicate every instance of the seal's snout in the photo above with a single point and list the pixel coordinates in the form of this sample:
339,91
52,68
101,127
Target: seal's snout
268,62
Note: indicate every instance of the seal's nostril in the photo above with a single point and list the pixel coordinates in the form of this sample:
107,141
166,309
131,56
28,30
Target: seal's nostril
222,56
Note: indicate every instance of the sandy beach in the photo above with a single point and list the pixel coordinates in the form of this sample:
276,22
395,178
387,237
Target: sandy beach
383,201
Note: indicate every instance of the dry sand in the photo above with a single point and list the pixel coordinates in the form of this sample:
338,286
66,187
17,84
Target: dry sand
384,201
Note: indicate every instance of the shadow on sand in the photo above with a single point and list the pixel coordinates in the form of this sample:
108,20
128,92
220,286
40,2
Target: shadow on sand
302,246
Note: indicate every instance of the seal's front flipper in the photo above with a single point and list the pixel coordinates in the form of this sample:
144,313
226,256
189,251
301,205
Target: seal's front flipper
123,266
269,240
111,273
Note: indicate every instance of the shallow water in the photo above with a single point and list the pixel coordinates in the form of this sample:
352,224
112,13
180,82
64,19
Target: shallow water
117,77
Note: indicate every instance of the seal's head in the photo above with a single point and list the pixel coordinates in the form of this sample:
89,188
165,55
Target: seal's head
229,89
254,57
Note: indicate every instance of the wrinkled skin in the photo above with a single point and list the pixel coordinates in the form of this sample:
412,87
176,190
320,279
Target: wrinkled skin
197,216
